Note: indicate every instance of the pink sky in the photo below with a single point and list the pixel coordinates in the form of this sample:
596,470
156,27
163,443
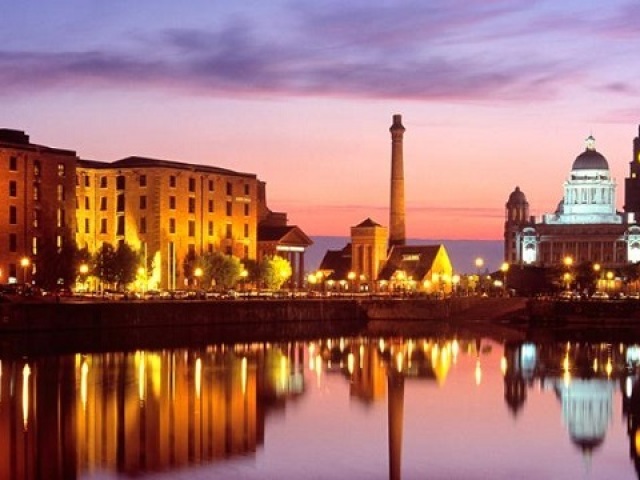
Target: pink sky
493,95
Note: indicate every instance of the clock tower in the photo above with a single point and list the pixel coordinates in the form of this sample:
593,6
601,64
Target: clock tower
632,182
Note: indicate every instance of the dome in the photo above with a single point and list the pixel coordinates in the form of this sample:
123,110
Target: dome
517,197
590,159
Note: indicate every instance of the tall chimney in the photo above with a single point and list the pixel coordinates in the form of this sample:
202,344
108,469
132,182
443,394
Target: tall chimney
396,208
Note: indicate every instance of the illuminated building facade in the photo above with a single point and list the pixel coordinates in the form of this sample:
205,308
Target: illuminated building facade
162,209
165,210
38,184
585,226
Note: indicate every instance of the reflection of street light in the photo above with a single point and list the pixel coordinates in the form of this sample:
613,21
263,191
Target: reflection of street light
24,263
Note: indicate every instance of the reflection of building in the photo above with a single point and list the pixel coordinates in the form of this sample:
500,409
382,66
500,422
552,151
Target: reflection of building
39,186
585,225
586,409
380,258
139,412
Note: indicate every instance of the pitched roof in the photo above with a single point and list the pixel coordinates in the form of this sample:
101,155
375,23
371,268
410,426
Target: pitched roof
289,234
368,223
414,260
338,262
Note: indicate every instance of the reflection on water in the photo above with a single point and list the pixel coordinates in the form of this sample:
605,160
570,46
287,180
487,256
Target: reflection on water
136,413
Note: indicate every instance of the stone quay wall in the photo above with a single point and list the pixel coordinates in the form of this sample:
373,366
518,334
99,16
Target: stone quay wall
289,313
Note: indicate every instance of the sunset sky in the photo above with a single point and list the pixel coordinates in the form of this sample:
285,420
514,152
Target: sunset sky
493,94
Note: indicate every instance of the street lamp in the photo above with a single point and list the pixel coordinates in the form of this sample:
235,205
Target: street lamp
479,263
596,270
24,263
609,280
504,268
351,276
568,261
84,269
197,273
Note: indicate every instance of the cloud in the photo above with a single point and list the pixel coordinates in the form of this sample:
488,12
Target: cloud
377,51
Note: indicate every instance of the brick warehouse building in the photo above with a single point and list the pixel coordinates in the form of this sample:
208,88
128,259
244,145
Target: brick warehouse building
164,209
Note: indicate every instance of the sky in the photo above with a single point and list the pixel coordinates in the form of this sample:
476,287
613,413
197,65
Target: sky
493,94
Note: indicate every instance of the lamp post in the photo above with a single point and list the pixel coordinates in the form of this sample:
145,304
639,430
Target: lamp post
479,264
84,269
24,263
596,271
351,276
568,262
504,268
609,281
197,273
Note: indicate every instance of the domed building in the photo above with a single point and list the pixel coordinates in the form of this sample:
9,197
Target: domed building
585,225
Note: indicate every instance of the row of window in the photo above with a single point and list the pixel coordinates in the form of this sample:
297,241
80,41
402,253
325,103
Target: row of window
37,168
35,243
60,217
13,191
173,182
191,226
120,199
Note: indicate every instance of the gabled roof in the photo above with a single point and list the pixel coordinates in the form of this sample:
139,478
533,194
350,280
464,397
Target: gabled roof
338,262
284,235
414,260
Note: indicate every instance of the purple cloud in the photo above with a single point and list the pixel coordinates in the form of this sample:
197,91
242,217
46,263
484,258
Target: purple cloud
417,52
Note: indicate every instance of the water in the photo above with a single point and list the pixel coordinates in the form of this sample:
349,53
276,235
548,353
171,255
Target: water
353,408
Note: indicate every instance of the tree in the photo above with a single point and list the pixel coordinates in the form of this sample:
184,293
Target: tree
104,265
126,261
587,276
275,271
189,265
221,270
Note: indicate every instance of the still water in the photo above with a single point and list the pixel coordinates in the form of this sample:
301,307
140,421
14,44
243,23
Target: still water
342,408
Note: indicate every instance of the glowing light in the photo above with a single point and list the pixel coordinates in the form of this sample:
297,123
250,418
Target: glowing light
342,344
198,377
478,372
636,442
567,378
319,370
595,365
361,355
26,373
142,376
455,349
350,363
565,363
503,366
628,387
381,345
84,373
243,375
399,361
609,367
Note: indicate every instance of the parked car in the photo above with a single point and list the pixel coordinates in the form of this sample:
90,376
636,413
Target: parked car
600,295
569,295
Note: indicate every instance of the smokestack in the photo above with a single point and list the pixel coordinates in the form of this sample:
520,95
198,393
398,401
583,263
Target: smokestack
396,208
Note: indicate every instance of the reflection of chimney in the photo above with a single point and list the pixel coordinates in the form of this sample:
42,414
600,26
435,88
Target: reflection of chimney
395,411
396,207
